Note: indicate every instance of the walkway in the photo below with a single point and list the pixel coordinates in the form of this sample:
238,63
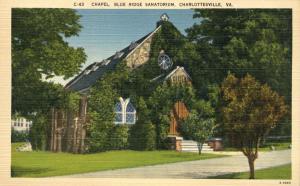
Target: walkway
196,169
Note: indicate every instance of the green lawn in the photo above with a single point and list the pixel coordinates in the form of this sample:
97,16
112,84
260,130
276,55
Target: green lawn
280,172
42,164
266,147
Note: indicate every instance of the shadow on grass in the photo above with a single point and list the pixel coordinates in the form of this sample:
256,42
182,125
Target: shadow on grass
17,171
277,172
226,176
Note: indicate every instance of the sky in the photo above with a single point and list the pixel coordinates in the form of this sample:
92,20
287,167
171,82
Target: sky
106,31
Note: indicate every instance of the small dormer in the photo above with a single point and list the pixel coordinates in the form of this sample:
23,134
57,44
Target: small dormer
178,76
133,45
118,54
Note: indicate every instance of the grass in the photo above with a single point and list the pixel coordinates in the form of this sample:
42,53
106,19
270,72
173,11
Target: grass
43,164
278,146
266,147
279,172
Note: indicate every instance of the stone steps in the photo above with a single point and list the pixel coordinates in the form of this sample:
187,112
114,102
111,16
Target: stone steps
191,146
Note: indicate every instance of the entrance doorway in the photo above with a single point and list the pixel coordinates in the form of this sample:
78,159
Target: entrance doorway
179,112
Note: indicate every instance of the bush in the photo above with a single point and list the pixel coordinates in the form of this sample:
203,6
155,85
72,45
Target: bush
198,128
98,138
17,136
101,116
142,136
150,136
119,137
39,132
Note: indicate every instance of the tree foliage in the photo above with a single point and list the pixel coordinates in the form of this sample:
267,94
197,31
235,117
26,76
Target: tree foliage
101,114
162,101
119,137
243,41
251,110
102,134
200,125
39,51
39,131
19,136
142,134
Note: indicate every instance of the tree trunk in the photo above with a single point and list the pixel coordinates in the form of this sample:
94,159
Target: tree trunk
199,145
251,166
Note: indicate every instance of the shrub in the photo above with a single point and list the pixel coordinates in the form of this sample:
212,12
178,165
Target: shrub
19,136
119,137
39,132
142,136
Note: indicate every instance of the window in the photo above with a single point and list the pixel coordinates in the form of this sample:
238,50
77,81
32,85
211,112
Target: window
119,113
130,114
125,112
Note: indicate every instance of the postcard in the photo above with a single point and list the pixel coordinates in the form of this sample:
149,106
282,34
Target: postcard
149,92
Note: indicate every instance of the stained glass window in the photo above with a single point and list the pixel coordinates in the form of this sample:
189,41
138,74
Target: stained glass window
119,113
130,114
118,107
119,118
125,112
130,118
130,108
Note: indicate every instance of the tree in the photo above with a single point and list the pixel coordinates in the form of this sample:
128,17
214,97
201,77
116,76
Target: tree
254,41
142,134
161,102
39,51
19,136
200,124
250,111
241,41
101,113
38,133
118,138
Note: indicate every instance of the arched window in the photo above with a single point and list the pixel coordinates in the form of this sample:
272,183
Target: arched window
119,113
125,112
130,114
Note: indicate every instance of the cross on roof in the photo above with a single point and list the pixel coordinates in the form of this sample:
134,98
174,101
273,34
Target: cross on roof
164,17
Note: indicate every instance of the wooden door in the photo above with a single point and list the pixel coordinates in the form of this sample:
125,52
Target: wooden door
178,113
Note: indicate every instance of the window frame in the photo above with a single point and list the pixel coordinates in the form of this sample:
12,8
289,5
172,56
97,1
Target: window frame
124,104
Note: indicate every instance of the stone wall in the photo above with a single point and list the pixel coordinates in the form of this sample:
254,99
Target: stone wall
68,129
141,54
179,77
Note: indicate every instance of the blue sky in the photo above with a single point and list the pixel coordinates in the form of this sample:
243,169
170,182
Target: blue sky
106,31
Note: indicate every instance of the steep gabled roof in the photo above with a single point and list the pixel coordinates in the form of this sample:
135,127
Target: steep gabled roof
89,76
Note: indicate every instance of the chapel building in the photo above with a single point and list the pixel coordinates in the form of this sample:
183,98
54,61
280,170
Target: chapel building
68,129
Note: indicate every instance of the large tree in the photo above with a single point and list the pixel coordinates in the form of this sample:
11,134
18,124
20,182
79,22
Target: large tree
250,110
254,41
241,41
40,51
